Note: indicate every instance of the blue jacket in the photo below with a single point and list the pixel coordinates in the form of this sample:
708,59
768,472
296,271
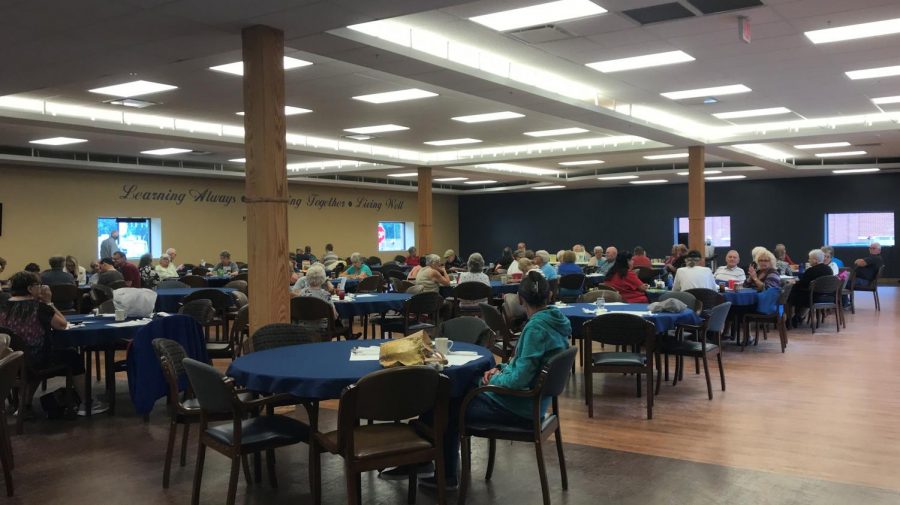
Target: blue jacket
548,271
146,382
569,268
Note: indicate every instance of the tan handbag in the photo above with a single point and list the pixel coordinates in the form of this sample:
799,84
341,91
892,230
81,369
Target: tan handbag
415,349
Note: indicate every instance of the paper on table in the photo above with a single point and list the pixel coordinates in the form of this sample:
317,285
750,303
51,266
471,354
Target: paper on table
136,322
459,359
616,303
365,295
635,312
370,353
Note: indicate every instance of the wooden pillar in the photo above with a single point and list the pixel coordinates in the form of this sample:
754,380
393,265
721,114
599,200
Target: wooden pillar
266,175
696,199
423,240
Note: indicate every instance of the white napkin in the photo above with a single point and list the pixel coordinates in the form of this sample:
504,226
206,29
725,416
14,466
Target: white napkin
459,359
370,353
136,322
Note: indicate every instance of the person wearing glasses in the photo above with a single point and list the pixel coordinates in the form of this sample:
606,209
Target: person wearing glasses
867,268
762,274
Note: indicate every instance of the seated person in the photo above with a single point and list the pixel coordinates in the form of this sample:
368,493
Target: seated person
306,255
411,276
412,258
730,271
622,277
357,269
76,270
692,276
329,257
761,275
607,262
828,250
94,274
29,313
798,300
677,259
225,266
867,268
640,259
432,276
108,275
475,271
782,266
829,259
129,272
149,277
317,286
515,266
781,251
542,262
597,257
57,274
452,263
33,268
506,258
567,264
166,269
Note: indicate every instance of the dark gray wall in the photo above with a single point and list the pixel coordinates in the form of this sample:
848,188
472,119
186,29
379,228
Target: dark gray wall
791,211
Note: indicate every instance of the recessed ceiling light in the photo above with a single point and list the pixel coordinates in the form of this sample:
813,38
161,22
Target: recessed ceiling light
359,137
134,88
855,170
649,181
560,131
581,162
167,151
886,100
710,100
705,172
772,111
481,182
617,177
826,145
874,73
288,111
555,186
376,129
491,116
238,160
405,174
645,61
851,32
540,14
57,141
452,142
726,177
395,96
666,156
237,68
730,89
521,169
451,179
134,103
839,153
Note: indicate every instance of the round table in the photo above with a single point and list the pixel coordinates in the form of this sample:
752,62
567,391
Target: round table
664,321
167,300
218,281
370,303
321,371
742,297
498,288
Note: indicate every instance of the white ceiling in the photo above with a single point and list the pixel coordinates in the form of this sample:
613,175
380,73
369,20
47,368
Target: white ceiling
97,43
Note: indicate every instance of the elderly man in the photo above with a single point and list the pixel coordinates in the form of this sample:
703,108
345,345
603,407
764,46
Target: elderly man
730,271
108,274
610,259
692,276
597,257
521,247
542,261
225,266
110,245
781,252
172,253
56,274
867,268
129,271
640,258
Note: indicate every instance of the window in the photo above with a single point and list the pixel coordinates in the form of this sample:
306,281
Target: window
395,235
859,229
717,229
137,235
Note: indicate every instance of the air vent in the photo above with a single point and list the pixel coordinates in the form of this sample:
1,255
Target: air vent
539,34
131,102
716,6
658,13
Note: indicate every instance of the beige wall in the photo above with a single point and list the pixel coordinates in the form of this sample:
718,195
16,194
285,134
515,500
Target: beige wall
54,211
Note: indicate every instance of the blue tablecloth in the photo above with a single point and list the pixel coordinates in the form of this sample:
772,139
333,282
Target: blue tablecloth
664,321
218,281
653,294
323,370
371,304
96,332
349,286
167,300
498,288
741,296
594,279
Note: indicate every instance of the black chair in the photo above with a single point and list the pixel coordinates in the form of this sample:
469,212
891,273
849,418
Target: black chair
218,396
467,296
701,348
394,272
372,284
871,286
243,276
708,297
221,302
554,289
401,286
410,320
32,377
571,286
646,274
683,296
595,294
778,318
100,293
550,383
195,281
272,336
619,330
470,330
373,261
506,347
239,285
202,311
316,318
825,295
66,297
171,284
605,287
117,284
12,367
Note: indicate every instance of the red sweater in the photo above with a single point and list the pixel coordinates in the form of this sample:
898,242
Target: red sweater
641,261
629,287
412,261
131,273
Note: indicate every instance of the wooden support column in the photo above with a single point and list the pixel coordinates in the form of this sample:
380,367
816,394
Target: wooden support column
266,193
423,240
696,199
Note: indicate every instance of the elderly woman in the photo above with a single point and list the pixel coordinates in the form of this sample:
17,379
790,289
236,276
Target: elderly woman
567,264
782,266
677,259
225,266
452,263
29,313
414,271
542,262
830,260
166,269
761,275
799,297
622,277
475,271
513,268
76,270
316,285
693,276
149,276
357,269
433,275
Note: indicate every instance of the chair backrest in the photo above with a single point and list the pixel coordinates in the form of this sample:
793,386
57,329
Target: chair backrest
572,281
214,395
238,285
100,293
493,318
117,284
170,355
171,284
195,281
606,287
471,290
65,293
276,335
371,284
393,273
107,307
241,276
373,261
201,310
513,311
428,304
707,297
220,299
645,274
829,284
595,294
199,271
470,330
396,393
682,296
11,368
240,299
555,373
554,289
621,329
309,313
718,316
401,286
785,294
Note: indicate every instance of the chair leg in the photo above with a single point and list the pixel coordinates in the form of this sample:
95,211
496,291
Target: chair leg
465,478
184,442
198,473
706,372
245,465
659,373
6,457
877,301
97,365
589,390
270,467
492,452
315,479
440,475
696,366
352,489
721,370
649,392
412,483
638,376
232,479
170,448
562,459
853,302
542,471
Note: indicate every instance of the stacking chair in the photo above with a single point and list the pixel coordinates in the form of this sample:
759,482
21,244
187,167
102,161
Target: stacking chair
373,284
195,281
571,286
373,261
688,299
871,286
171,284
467,296
470,330
221,302
550,383
316,317
593,295
272,336
388,395
554,289
708,297
243,275
646,274
506,347
701,348
421,306
819,290
619,330
32,377
217,396
605,287
12,367
107,307
239,285
777,318
202,311
400,285
66,297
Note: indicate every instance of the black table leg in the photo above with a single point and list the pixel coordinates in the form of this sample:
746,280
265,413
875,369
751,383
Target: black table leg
110,361
86,401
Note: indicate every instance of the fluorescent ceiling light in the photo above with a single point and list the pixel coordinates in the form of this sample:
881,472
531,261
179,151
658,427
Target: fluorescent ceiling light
359,137
376,129
288,111
238,160
851,32
481,182
649,181
855,171
491,116
873,73
705,172
763,150
167,151
772,111
521,169
581,162
405,174
560,131
726,177
730,89
826,145
666,156
451,179
134,88
396,96
237,68
645,61
57,141
555,186
452,142
617,177
839,153
886,100
540,14
133,103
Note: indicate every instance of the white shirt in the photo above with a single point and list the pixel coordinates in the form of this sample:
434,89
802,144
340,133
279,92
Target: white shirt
726,273
834,268
694,277
513,268
474,277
